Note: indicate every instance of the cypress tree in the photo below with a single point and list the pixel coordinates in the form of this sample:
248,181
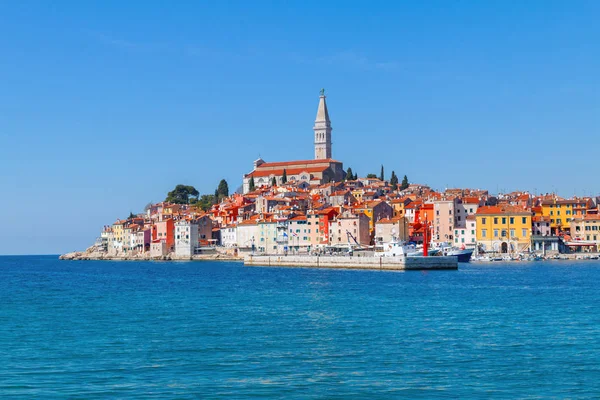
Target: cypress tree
394,180
381,176
349,175
404,184
273,182
252,184
223,189
284,177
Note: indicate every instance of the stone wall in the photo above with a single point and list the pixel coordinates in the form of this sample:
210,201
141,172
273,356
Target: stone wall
383,263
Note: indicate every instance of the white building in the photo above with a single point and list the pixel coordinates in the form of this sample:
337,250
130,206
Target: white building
186,237
267,230
388,229
466,235
248,235
229,236
463,208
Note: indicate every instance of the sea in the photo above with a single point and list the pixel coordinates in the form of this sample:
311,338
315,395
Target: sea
179,330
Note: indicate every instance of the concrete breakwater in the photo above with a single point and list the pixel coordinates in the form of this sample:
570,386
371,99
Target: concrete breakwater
374,262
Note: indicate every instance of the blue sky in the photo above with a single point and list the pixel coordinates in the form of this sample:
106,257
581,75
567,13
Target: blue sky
105,106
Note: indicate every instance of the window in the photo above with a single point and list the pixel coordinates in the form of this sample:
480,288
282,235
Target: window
462,240
524,220
470,210
484,233
504,233
503,220
462,232
483,220
558,213
551,212
495,232
512,233
512,220
472,232
496,221
437,212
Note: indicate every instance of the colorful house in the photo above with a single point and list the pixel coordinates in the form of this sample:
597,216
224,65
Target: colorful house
503,229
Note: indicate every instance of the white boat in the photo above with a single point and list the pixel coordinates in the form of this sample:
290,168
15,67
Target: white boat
396,248
463,254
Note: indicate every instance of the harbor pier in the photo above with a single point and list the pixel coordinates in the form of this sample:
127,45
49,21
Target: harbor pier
354,262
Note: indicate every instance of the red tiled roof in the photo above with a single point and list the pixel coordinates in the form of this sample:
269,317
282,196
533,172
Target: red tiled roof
504,209
292,171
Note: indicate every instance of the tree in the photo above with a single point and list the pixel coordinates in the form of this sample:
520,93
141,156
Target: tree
394,180
205,202
404,184
355,176
381,176
273,182
181,194
252,186
222,190
349,176
284,177
131,215
371,176
216,197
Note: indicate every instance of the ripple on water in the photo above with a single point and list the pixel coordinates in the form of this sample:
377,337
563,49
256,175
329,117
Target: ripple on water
143,329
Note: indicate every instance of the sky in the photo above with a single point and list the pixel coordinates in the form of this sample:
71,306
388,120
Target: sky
107,105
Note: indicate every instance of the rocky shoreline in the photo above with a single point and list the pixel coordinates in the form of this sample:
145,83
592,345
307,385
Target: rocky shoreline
93,253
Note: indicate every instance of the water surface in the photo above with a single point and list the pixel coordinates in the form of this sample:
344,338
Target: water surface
101,329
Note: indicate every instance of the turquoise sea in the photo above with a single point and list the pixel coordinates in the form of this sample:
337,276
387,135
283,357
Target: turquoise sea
99,329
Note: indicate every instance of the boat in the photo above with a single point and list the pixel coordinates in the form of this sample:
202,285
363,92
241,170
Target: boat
396,248
463,254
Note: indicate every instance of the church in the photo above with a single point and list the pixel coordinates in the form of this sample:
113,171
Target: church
322,169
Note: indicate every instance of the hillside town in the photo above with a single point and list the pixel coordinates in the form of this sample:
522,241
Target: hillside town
316,206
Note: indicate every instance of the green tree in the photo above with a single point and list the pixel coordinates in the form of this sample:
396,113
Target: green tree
371,176
404,184
355,176
181,194
222,190
251,185
381,176
394,180
205,202
284,177
273,182
131,215
349,175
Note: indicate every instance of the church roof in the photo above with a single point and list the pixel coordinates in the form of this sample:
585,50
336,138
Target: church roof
289,171
295,163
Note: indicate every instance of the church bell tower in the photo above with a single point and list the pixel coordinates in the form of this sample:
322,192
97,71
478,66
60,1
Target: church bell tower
322,130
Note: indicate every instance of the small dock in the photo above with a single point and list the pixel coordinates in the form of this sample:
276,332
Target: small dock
354,262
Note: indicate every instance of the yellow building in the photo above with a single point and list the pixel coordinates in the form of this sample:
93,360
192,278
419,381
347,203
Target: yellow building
503,229
399,205
358,194
375,210
560,213
119,230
